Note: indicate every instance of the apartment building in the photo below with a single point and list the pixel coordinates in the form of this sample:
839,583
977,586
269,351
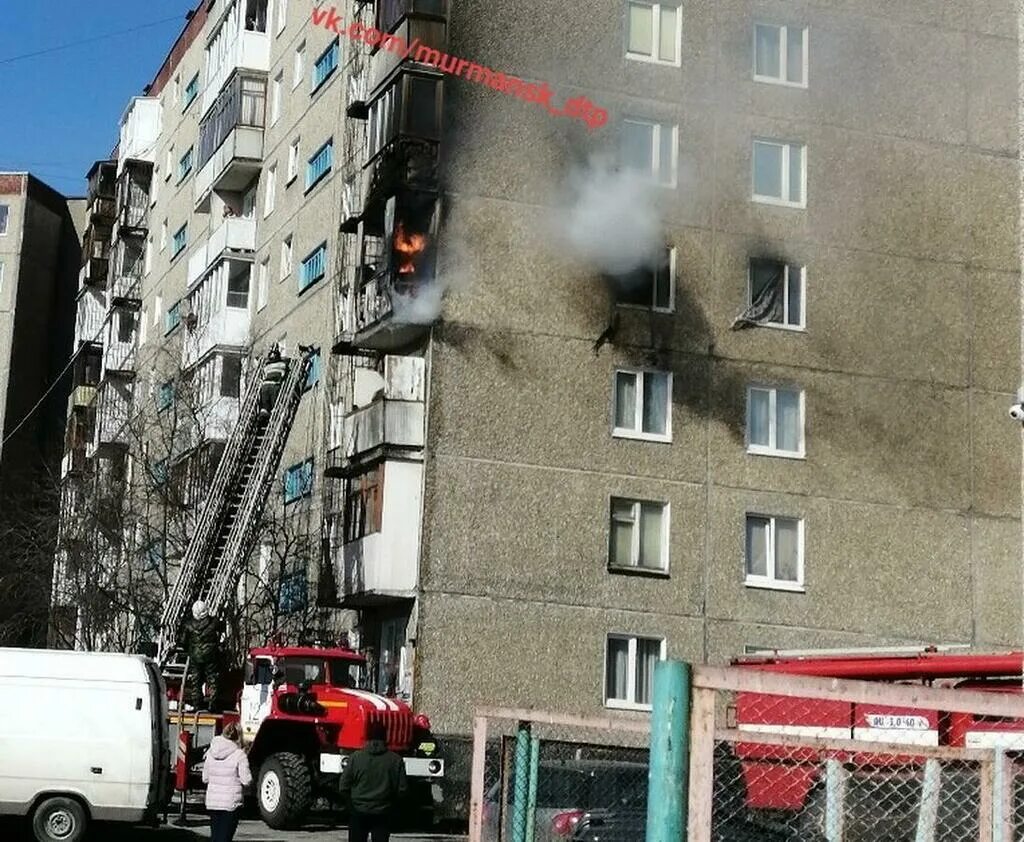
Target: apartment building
39,246
558,481
537,471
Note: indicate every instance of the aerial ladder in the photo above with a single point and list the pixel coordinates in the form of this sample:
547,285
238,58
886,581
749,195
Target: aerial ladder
229,522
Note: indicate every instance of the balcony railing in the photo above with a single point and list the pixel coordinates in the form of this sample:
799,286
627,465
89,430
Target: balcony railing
113,413
119,356
234,234
133,187
91,311
94,273
384,423
234,47
103,210
73,463
219,313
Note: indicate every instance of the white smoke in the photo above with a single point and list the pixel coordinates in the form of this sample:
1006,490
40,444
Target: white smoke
610,218
421,308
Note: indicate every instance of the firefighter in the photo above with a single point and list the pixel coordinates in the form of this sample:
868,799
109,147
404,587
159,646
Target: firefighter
202,644
273,374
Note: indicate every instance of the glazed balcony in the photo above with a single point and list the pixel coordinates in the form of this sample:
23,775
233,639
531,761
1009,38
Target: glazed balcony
218,310
235,236
133,186
113,413
91,309
240,41
391,12
95,258
420,21
126,281
230,150
119,345
78,433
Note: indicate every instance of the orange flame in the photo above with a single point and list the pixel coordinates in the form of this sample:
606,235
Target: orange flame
408,246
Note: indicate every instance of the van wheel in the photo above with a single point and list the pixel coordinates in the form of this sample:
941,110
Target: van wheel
59,820
284,790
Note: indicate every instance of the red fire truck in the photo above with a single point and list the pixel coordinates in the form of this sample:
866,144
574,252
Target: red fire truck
787,782
302,712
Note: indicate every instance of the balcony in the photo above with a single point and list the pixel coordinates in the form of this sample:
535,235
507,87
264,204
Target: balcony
239,42
73,464
422,21
233,235
218,311
82,396
113,412
119,346
133,187
91,311
79,432
380,563
390,12
140,128
230,152
126,283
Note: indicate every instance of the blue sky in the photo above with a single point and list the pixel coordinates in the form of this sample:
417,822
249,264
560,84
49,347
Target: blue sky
60,110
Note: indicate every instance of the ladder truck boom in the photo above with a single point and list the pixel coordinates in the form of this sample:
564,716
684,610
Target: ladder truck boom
228,524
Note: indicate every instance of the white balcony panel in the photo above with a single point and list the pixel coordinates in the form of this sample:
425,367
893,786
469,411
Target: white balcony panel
387,562
397,423
92,309
140,128
244,146
216,420
118,356
227,326
232,234
248,50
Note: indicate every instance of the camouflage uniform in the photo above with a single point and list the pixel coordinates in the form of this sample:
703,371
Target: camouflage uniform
202,644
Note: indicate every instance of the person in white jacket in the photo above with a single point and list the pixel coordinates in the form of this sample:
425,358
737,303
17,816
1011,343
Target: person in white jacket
225,772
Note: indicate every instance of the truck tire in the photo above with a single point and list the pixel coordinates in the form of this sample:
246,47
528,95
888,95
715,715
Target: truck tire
59,819
284,791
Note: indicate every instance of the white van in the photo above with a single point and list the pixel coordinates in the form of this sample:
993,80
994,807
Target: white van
83,736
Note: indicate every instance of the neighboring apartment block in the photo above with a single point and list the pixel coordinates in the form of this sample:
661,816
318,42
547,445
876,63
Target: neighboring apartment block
39,247
535,475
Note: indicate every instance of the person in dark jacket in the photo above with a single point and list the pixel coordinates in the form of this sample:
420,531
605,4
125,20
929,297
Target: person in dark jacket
374,781
202,644
273,375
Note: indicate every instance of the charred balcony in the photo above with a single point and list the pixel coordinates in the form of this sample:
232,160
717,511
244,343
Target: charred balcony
133,185
102,180
389,13
230,150
95,257
126,278
85,375
79,432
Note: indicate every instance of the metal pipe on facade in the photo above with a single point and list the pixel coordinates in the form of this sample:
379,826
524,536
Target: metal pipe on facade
521,777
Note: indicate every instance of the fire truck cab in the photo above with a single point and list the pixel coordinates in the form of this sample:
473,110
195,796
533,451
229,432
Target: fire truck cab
303,710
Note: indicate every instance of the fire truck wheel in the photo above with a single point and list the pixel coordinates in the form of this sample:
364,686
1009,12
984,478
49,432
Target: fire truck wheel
58,820
285,790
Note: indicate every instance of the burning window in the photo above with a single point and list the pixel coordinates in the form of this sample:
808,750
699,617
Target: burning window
649,286
407,226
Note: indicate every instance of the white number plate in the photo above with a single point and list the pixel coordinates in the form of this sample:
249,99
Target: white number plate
906,722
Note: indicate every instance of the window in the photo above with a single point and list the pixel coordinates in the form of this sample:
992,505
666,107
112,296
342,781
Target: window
143,325
775,421
275,97
298,481
320,164
655,32
263,284
5,213
363,504
642,400
780,173
775,552
163,235
638,535
293,160
325,65
650,148
650,286
154,188
179,241
282,15
780,54
775,293
152,555
185,165
629,670
191,91
286,257
1,277
165,397
158,304
125,325
313,377
169,162
230,377
314,266
299,65
177,89
147,259
238,291
173,318
270,191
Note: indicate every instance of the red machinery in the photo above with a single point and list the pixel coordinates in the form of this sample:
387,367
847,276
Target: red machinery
775,780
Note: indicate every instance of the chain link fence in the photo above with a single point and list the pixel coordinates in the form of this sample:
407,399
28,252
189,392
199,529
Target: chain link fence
771,757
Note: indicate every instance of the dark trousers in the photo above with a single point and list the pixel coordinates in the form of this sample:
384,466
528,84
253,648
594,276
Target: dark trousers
223,824
366,826
268,394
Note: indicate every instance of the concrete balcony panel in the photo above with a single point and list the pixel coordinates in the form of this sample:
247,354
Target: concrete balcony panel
83,395
227,327
232,235
383,566
248,51
235,163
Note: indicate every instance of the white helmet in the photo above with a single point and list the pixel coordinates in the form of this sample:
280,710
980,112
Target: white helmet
199,610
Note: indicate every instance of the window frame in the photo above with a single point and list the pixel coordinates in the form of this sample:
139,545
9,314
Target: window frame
333,47
262,283
772,448
5,218
285,266
195,95
185,164
293,160
654,174
634,565
787,147
276,87
177,249
653,307
784,32
638,434
328,148
270,191
656,8
303,494
282,16
306,282
770,581
802,326
298,65
631,666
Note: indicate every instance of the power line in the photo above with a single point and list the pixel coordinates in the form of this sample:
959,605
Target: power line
92,40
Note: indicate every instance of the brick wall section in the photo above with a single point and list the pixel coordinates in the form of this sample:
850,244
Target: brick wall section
12,184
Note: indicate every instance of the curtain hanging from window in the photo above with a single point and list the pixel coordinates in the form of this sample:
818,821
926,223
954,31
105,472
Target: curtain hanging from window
767,305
